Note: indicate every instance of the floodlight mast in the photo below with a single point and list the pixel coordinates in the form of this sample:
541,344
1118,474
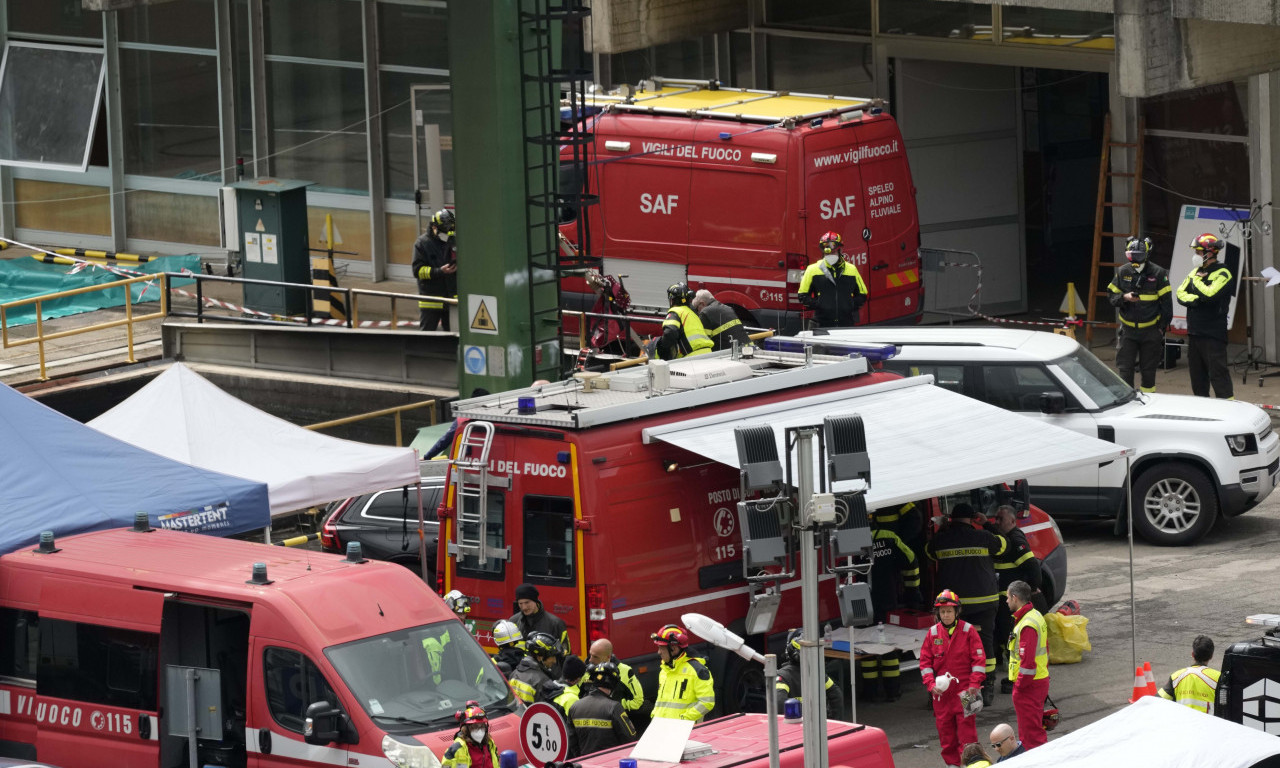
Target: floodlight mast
812,670
715,633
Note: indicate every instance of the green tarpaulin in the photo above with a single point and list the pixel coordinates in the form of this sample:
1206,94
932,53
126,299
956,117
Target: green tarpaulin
25,278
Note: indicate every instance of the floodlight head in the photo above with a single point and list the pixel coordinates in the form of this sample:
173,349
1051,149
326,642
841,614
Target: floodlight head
763,611
715,633
846,440
758,457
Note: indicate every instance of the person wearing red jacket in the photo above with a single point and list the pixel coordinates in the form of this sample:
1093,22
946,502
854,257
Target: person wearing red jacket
1028,664
952,647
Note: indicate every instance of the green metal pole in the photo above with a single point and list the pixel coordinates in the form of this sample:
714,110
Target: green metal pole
497,350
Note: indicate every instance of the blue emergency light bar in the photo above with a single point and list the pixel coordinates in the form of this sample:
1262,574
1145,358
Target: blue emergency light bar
874,353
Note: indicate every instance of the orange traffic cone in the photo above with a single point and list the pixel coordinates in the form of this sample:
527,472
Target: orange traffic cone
1150,678
1139,685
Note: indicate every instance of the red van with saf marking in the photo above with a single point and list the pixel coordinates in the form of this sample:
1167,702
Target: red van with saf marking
730,189
91,630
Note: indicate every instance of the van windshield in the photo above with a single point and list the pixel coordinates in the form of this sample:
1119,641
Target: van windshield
413,680
1103,385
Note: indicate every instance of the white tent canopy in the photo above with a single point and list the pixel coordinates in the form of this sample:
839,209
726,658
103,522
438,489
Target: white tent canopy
182,416
923,440
1157,733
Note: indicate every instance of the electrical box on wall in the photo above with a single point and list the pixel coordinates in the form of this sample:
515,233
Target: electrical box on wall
274,243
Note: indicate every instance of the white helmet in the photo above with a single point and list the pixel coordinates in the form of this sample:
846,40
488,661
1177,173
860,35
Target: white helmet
457,602
506,633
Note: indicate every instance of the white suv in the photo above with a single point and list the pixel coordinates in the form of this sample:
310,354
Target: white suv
1195,457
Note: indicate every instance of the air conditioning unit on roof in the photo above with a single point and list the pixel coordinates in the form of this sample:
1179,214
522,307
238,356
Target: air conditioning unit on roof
692,373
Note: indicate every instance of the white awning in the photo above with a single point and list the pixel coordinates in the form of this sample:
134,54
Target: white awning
923,440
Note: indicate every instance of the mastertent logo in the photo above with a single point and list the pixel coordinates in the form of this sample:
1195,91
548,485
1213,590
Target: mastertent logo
1260,706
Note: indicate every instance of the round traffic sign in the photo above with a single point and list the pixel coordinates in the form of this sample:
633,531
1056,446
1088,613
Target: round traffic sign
543,735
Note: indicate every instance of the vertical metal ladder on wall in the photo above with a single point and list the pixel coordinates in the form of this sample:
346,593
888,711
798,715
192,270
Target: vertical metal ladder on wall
471,483
1105,174
548,80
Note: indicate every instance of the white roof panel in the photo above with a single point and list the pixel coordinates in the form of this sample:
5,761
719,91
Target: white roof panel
923,440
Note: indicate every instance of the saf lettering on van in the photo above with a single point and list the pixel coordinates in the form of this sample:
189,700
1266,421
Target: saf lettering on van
730,191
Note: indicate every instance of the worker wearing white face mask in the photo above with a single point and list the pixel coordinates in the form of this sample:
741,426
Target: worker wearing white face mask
435,265
472,747
1206,293
832,287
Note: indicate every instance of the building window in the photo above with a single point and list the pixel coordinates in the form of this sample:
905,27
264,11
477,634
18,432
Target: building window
314,29
97,665
171,114
19,643
293,683
927,18
64,18
413,36
1044,26
820,15
821,66
548,539
434,103
184,23
318,125
495,537
49,98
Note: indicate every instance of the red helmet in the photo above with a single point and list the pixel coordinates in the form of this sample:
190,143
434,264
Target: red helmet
947,598
472,715
670,635
1050,717
830,242
1207,242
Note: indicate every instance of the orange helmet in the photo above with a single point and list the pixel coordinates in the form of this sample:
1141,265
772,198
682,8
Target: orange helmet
472,715
1207,242
947,598
671,634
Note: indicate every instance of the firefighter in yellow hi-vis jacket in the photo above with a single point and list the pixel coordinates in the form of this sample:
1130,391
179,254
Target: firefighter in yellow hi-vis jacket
685,688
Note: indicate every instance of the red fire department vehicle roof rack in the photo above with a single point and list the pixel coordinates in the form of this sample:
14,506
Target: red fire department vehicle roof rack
660,387
707,98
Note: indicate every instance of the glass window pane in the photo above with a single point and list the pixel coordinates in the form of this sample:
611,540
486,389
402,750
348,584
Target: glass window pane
397,129
170,114
689,59
54,17
1016,387
293,683
847,16
49,104
188,23
495,537
172,218
1044,26
825,66
548,539
413,36
1213,109
927,18
98,665
314,29
19,643
318,126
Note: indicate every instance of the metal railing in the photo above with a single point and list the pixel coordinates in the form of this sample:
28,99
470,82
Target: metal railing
128,320
396,411
351,297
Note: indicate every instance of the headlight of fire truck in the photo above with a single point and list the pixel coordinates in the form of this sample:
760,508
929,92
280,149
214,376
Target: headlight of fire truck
407,754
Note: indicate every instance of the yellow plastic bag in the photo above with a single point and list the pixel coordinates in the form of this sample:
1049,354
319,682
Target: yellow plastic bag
1068,638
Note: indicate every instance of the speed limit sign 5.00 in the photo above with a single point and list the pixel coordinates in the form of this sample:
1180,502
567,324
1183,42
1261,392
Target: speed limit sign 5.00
543,735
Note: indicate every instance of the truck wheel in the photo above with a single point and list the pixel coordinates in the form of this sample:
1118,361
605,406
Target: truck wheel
743,689
1048,588
1174,504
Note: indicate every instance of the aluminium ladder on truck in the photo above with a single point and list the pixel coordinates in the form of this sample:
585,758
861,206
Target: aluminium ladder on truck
470,472
707,98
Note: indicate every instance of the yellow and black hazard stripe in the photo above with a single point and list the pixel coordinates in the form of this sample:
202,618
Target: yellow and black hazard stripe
325,305
89,254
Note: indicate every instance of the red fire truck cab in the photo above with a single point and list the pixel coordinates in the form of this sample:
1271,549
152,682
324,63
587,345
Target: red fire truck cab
621,533
730,190
97,634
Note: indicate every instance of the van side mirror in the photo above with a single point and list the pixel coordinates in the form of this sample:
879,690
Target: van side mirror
325,723
1052,402
1022,499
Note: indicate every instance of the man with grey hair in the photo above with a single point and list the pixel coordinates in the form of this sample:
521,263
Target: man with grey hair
722,323
1028,664
1017,562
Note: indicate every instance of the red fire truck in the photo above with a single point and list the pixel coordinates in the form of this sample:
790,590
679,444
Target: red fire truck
730,189
312,660
615,495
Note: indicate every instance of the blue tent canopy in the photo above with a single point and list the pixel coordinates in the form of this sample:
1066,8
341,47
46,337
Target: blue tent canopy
60,475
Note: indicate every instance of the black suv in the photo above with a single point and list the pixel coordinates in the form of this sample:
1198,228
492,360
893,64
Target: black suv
386,522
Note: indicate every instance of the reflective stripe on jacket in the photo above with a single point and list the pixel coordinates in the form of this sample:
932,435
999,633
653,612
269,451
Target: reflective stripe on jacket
527,681
835,294
682,334
1154,306
958,651
685,690
458,755
1207,297
1019,665
723,326
1194,687
598,723
965,557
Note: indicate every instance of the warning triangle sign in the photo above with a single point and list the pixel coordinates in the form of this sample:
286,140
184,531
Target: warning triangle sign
483,321
260,227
